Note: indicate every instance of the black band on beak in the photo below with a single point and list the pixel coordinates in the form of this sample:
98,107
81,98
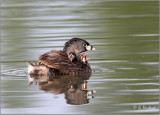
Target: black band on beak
92,48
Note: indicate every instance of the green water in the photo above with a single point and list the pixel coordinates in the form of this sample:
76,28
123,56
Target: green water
125,64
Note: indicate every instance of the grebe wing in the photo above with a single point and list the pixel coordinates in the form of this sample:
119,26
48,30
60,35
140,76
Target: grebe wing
55,59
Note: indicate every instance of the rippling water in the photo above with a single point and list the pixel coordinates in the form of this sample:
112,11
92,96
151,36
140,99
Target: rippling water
125,64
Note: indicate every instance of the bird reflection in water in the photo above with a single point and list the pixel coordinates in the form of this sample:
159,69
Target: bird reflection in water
75,88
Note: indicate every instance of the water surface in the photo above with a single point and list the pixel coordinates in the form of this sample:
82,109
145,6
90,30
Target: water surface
125,64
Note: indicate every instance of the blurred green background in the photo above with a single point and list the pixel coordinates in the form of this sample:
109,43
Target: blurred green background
125,64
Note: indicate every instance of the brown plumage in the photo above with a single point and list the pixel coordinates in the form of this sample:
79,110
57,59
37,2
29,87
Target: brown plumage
59,62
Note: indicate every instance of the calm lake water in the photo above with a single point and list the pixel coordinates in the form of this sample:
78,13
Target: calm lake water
125,64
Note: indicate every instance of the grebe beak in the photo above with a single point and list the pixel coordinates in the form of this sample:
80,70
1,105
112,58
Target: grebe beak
93,48
85,56
90,48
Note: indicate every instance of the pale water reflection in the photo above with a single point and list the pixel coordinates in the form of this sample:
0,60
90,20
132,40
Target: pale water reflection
75,88
125,64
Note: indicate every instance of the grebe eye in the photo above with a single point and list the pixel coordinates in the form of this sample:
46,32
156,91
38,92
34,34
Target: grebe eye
84,45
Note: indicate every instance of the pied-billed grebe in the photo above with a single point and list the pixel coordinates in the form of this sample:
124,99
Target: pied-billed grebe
66,62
